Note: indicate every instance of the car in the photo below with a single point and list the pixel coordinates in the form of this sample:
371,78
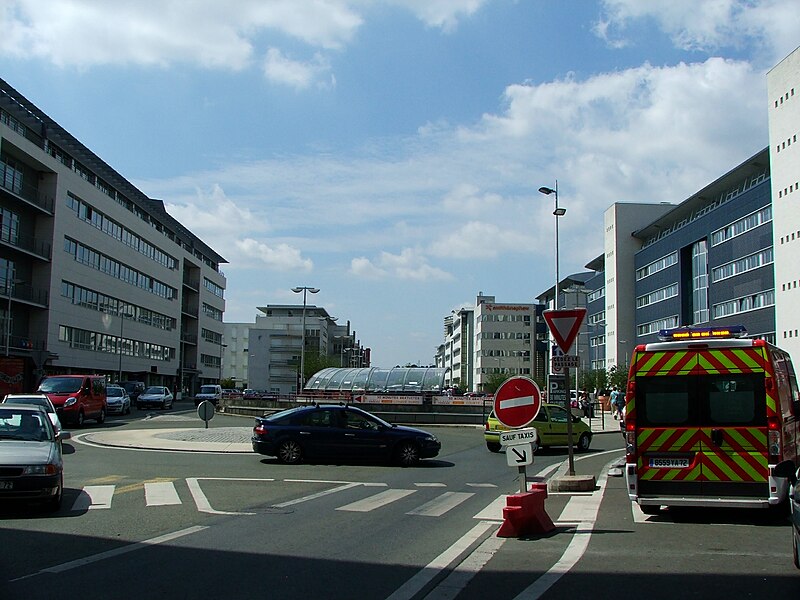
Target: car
787,469
134,388
76,397
157,396
551,426
37,400
118,400
31,463
212,393
249,394
328,432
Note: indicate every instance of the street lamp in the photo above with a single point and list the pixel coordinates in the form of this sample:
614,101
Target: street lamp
10,283
560,212
305,290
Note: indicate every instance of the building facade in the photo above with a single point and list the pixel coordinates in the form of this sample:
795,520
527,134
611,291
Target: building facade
272,353
783,91
94,275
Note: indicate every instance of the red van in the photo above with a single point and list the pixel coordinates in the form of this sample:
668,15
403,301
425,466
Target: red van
76,397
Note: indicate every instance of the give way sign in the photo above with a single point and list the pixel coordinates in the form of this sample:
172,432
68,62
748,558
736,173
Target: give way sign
564,325
517,402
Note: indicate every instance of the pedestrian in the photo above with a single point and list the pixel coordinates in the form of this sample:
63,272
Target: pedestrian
617,403
585,404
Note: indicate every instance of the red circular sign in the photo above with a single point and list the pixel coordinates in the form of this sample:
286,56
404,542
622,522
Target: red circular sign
517,402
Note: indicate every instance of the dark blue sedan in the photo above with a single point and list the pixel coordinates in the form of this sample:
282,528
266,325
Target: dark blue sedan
326,432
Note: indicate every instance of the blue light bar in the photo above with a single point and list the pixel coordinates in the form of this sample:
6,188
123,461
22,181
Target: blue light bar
702,333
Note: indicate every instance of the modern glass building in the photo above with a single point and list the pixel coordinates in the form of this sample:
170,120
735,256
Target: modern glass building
399,380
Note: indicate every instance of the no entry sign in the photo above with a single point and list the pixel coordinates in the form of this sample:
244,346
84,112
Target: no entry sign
517,402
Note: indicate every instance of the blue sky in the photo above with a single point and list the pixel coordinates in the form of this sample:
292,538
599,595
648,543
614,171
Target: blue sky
390,152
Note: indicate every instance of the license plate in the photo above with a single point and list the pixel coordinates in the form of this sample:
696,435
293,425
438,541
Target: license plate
669,463
6,485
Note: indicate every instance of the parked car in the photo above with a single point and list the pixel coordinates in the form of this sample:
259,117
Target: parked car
134,388
787,469
118,400
76,397
31,464
37,400
550,424
327,432
157,396
249,394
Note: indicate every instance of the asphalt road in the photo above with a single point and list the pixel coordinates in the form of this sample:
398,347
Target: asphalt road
153,524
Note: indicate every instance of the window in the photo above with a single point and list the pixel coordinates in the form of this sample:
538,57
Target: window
657,296
700,282
743,265
744,304
657,265
742,225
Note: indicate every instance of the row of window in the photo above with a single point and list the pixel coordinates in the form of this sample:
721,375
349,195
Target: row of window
786,143
790,237
742,265
114,306
106,264
88,213
657,265
787,95
503,335
657,296
500,318
744,304
788,190
657,325
596,294
214,288
215,313
792,285
212,336
525,354
93,341
9,226
743,225
207,360
502,371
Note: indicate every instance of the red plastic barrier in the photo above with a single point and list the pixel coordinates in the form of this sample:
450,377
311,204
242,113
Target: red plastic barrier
524,514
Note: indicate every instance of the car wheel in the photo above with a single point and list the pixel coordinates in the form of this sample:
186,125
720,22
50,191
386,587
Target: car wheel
102,416
54,503
583,442
650,509
290,452
407,454
80,420
493,446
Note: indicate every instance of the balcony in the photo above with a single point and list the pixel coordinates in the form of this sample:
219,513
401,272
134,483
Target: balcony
11,180
25,243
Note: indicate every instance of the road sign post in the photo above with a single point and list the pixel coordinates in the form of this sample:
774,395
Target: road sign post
516,403
565,325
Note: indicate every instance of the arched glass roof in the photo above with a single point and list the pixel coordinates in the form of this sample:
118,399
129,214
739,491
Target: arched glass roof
373,379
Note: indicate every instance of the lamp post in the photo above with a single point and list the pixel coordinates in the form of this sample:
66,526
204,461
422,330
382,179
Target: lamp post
221,351
305,290
560,212
10,283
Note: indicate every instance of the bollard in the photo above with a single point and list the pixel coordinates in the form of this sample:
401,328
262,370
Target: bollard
525,514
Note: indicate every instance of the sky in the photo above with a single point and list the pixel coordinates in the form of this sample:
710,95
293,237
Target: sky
389,152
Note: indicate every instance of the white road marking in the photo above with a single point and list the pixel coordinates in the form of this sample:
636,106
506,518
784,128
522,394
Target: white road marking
346,486
73,564
463,573
441,504
202,503
413,586
430,484
94,497
481,485
161,493
494,511
376,501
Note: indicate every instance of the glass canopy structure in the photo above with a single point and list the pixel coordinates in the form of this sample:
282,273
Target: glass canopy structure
399,380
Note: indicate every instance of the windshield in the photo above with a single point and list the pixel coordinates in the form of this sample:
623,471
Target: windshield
154,390
36,401
24,425
208,389
61,385
112,391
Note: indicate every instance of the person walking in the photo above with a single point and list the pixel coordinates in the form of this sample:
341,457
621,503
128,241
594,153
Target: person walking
617,403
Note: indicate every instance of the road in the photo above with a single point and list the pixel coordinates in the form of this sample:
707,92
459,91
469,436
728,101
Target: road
151,524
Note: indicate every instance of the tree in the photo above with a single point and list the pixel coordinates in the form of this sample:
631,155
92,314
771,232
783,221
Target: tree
227,383
315,361
618,376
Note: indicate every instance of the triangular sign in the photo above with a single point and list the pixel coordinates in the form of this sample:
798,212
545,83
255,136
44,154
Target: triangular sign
565,325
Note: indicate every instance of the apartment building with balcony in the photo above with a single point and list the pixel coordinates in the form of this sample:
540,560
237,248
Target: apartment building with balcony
94,275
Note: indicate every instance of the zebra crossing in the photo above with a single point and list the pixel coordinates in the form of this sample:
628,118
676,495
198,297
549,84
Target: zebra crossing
165,493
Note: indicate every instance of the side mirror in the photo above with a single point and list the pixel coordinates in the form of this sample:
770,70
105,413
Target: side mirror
63,435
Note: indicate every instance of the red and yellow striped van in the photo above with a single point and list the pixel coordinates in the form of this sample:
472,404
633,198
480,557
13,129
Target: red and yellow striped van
709,414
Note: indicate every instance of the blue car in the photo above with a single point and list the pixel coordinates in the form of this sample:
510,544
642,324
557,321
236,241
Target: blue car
326,432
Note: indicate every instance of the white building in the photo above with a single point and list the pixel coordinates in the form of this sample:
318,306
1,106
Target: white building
783,88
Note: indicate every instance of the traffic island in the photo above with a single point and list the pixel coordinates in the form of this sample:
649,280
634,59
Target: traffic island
572,483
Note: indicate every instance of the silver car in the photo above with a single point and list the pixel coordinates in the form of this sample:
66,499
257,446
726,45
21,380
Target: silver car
37,400
157,396
31,465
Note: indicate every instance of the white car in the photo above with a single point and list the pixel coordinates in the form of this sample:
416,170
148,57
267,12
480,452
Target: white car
37,400
117,400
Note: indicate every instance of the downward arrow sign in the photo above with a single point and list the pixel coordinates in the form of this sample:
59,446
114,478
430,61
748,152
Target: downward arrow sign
521,456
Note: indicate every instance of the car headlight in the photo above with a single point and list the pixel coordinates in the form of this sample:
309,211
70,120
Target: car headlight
70,401
431,438
48,469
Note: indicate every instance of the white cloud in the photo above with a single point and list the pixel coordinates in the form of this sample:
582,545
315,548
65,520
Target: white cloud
443,14
709,25
297,74
408,265
281,257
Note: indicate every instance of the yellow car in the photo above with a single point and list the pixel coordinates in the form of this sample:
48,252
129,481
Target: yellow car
550,424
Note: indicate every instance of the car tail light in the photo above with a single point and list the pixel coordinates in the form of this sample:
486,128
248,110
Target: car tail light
773,439
630,441
260,429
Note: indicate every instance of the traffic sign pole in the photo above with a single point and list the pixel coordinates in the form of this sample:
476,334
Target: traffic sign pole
570,451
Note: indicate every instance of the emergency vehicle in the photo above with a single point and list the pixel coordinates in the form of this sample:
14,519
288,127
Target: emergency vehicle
709,414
